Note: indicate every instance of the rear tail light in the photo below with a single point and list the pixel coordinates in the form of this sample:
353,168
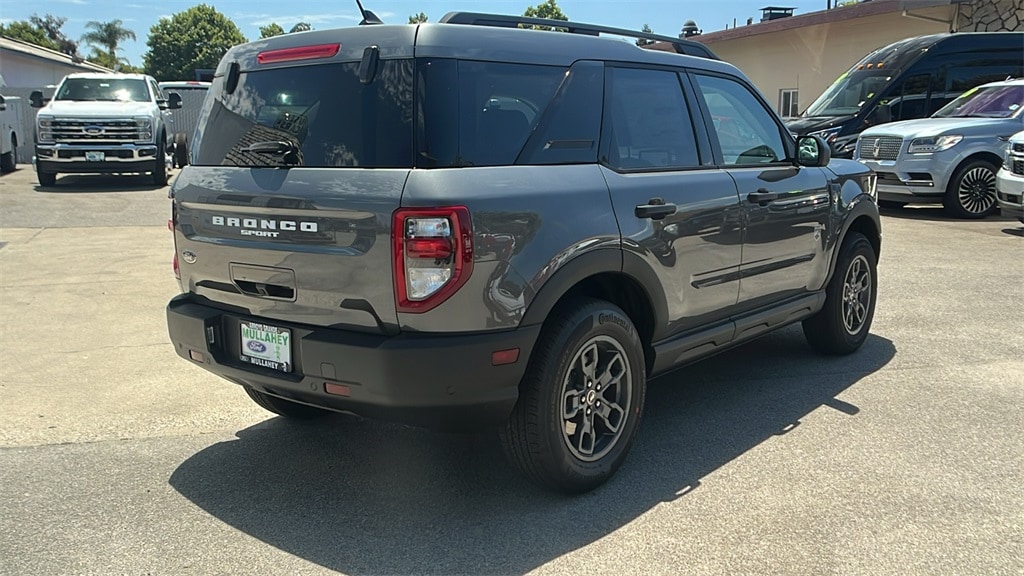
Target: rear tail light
433,255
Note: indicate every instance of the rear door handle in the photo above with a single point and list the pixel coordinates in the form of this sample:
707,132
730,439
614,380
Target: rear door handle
655,209
762,195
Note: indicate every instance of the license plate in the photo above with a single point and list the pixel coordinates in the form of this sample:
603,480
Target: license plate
266,346
94,156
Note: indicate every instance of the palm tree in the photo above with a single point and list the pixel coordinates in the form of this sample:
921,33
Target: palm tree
107,35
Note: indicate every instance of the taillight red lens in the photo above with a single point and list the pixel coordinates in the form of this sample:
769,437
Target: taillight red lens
300,53
433,255
436,248
177,271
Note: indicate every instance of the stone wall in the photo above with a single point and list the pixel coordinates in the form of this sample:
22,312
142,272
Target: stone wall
991,16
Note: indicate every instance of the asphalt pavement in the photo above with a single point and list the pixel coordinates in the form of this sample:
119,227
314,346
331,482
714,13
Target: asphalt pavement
117,457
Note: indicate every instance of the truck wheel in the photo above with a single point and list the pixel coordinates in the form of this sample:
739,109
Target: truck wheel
972,190
842,325
180,150
283,407
581,398
46,178
9,160
160,164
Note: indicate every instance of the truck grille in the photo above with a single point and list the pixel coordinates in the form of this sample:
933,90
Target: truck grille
1018,167
98,131
880,147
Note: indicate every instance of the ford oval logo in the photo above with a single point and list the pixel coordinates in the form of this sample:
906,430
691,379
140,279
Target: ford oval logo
93,129
256,346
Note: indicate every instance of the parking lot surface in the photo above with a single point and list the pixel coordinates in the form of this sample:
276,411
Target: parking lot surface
117,457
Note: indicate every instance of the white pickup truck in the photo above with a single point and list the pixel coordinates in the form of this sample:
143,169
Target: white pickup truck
10,112
104,123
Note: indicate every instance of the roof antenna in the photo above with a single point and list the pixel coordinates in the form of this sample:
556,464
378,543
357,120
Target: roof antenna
368,17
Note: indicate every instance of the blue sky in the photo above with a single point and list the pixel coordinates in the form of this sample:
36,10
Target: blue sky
664,16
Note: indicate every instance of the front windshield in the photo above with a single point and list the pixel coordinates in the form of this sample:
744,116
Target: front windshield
104,89
986,102
850,92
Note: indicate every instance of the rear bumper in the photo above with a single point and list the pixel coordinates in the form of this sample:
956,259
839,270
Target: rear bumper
435,381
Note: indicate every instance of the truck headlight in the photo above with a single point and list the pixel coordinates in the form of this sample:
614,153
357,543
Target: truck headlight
45,121
933,144
143,121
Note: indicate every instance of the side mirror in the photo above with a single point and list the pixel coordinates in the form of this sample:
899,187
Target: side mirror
36,99
813,151
174,101
883,114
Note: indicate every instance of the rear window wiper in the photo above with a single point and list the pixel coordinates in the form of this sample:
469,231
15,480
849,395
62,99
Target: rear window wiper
288,151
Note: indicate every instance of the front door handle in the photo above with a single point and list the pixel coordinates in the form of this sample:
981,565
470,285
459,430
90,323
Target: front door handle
762,195
655,209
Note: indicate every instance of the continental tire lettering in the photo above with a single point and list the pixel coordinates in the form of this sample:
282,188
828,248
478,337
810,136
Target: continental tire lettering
614,319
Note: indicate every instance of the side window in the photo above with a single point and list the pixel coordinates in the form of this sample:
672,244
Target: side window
650,122
912,100
499,105
157,92
746,131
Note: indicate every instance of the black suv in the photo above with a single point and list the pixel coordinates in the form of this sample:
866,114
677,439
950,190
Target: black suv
470,224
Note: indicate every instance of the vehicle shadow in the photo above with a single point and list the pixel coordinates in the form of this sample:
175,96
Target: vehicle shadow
100,183
932,213
1019,232
371,498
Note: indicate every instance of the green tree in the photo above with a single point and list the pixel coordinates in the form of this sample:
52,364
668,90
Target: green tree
645,41
26,32
418,18
51,25
301,27
121,64
195,38
548,9
271,30
107,35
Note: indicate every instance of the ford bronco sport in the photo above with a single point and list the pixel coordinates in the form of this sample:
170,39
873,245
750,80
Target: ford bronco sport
468,224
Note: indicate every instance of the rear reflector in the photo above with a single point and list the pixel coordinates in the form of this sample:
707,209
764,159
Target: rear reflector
300,53
336,389
177,271
501,357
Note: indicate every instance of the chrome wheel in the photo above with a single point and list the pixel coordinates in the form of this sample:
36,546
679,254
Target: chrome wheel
977,190
856,295
596,398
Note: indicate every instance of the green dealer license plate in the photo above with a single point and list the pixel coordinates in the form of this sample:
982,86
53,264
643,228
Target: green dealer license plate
267,346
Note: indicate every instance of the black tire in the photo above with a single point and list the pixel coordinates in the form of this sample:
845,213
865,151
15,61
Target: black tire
843,324
180,150
971,193
8,161
160,164
283,407
541,437
46,178
891,204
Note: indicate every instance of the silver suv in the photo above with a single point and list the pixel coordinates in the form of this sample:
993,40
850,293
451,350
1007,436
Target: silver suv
470,224
951,157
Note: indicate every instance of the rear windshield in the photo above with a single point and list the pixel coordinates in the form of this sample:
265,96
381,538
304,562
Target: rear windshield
323,112
435,113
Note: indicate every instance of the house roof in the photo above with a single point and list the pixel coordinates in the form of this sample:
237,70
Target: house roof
46,54
858,10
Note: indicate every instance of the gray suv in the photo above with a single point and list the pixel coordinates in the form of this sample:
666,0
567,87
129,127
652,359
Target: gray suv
470,224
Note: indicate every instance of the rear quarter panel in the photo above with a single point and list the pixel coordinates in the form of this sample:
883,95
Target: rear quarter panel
528,222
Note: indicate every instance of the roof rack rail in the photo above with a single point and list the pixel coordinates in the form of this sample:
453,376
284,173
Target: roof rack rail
681,46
